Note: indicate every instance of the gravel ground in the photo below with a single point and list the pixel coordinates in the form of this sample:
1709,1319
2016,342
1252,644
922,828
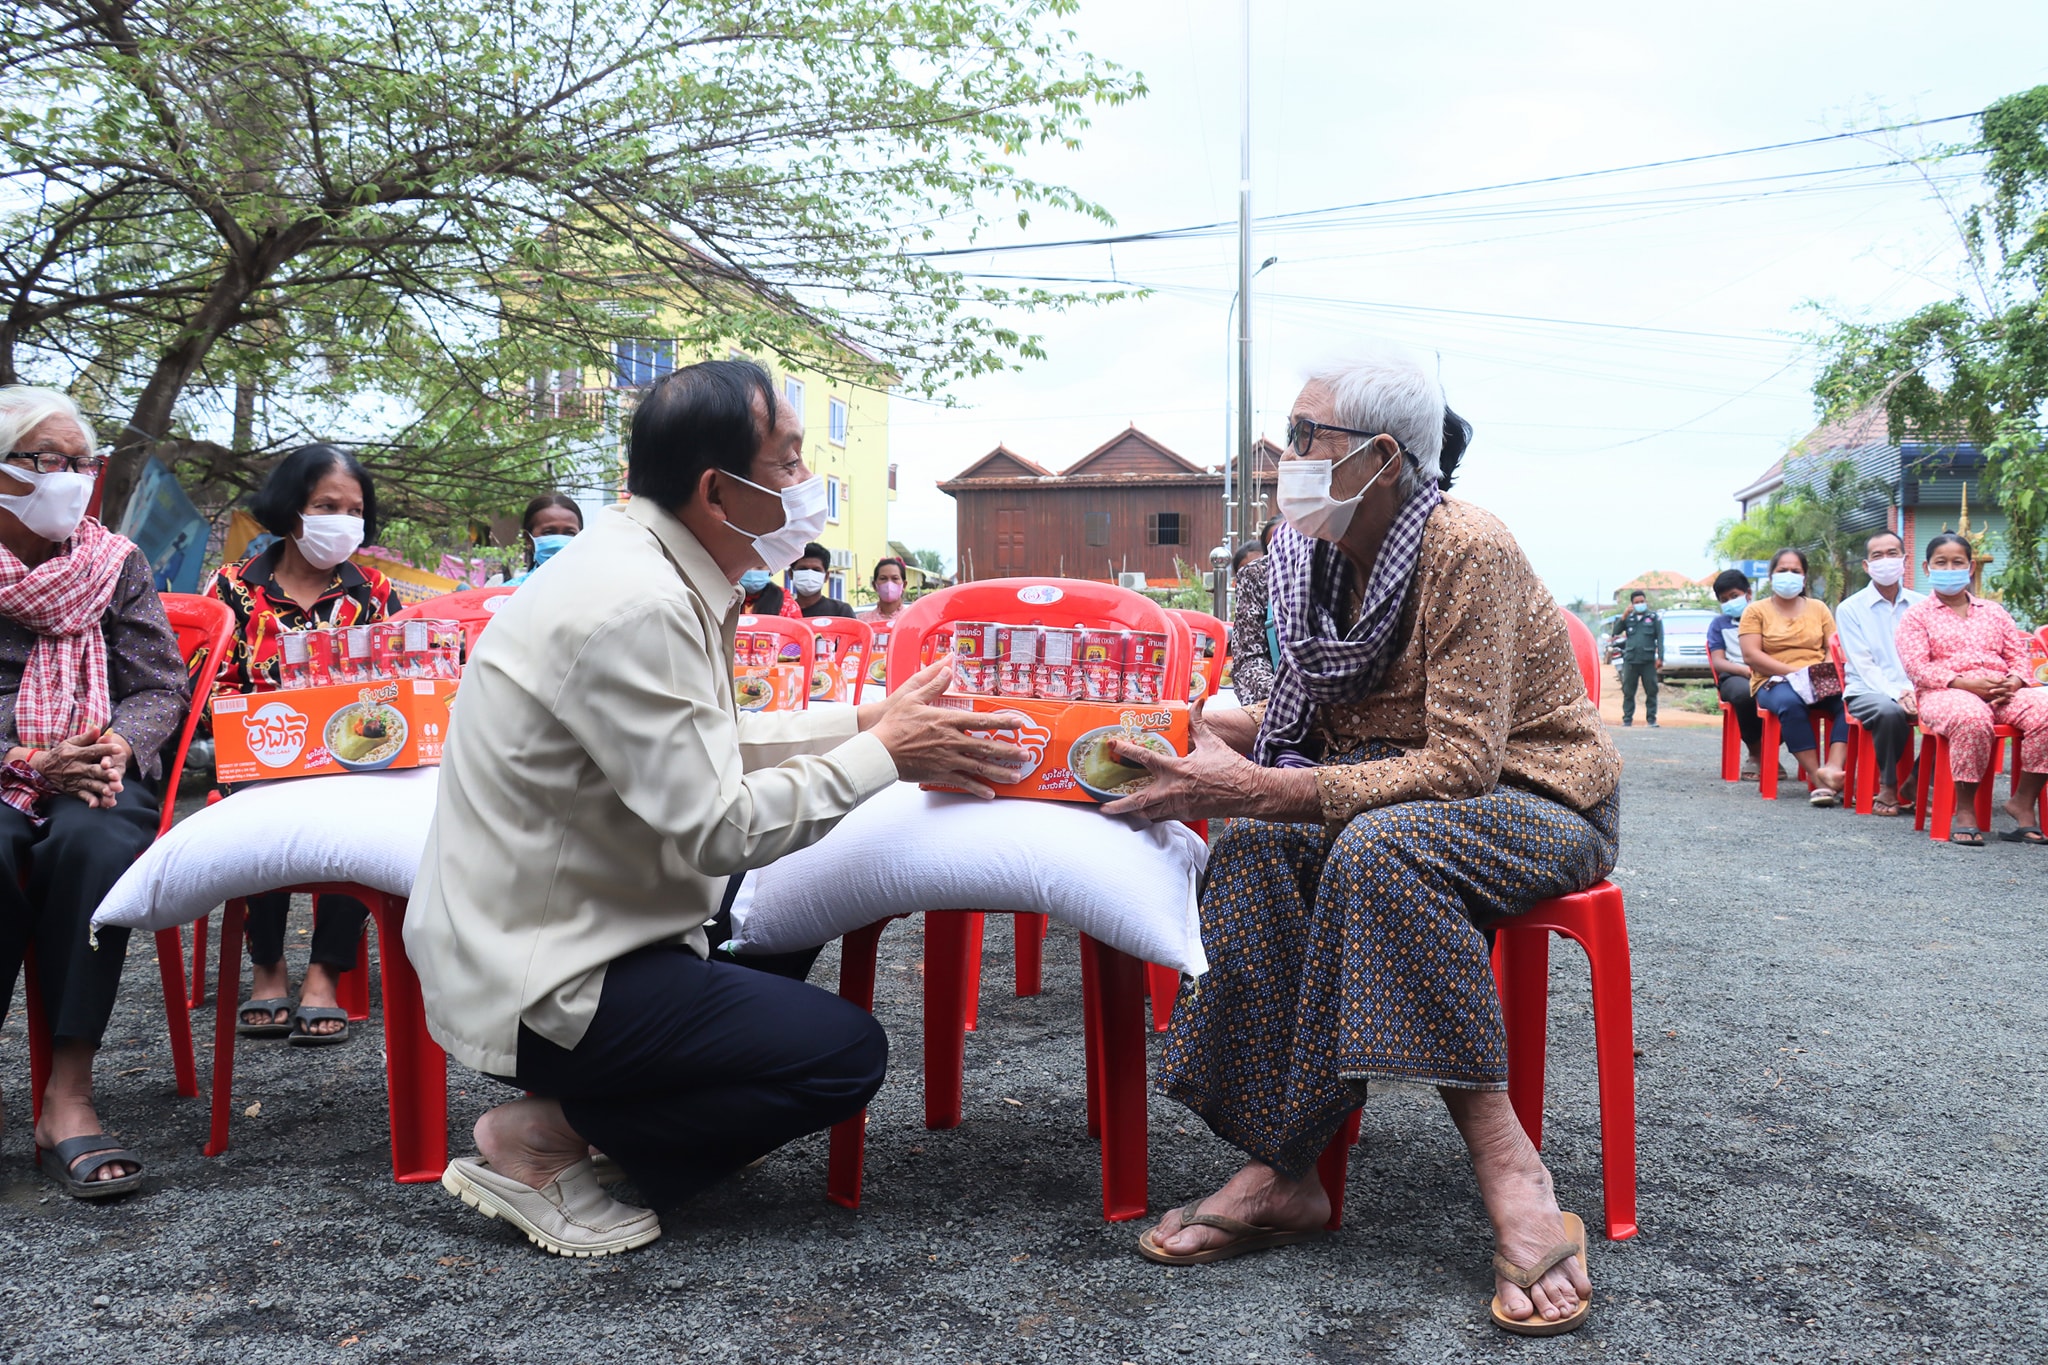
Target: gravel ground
1842,1155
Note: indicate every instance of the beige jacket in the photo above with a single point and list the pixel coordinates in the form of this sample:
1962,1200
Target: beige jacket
599,787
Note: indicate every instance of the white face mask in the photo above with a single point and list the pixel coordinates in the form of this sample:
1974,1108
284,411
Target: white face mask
326,541
1885,572
54,503
807,581
1304,496
803,516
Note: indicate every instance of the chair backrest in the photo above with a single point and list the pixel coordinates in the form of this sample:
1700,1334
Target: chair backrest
1202,626
794,645
1586,651
206,631
472,608
1060,602
856,639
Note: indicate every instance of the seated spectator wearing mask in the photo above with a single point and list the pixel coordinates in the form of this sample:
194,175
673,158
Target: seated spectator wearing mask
1784,633
551,521
1731,674
807,580
889,580
597,796
1969,666
1877,691
92,693
761,595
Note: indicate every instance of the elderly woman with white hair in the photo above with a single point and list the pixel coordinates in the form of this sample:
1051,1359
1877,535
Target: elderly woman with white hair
1428,764
92,689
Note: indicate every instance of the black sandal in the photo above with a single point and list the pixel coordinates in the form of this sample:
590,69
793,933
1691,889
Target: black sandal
1967,838
270,1028
2025,834
94,1150
302,1036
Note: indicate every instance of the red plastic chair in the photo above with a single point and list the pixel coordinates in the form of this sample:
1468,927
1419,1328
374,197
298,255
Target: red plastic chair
1595,920
856,640
472,607
205,629
1731,733
1860,770
416,1070
1937,817
1112,981
1211,667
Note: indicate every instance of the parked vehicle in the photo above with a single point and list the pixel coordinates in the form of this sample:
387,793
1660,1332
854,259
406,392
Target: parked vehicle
1685,643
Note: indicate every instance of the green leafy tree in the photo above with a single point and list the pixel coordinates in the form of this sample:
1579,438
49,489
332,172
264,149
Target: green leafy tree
232,227
1809,517
1975,367
930,561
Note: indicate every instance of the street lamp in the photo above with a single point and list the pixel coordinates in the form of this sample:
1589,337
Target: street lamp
1237,459
1218,559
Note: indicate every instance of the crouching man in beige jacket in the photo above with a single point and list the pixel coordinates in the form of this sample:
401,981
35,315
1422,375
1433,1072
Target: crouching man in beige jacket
599,787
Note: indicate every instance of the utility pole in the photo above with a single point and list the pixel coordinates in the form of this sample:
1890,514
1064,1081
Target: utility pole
1243,519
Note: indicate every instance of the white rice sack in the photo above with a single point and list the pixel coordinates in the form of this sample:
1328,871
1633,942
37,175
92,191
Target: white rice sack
366,828
1126,882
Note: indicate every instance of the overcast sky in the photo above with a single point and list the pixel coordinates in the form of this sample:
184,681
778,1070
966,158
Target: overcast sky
1626,346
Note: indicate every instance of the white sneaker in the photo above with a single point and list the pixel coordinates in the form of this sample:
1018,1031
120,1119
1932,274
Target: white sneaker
572,1217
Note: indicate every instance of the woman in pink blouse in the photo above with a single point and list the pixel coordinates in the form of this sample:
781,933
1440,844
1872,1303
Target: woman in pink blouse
1968,663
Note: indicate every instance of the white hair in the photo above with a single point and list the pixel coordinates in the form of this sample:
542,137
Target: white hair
24,407
1381,388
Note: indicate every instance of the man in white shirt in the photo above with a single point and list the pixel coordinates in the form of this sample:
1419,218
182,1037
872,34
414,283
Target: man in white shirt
1877,691
598,790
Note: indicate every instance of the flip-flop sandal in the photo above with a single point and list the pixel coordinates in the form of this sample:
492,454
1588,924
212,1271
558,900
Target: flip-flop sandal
1536,1325
1821,796
91,1151
1966,838
1891,810
2025,834
1250,1237
302,1036
270,1005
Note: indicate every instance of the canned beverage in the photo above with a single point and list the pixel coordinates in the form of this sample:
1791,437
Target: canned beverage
1057,682
294,661
1102,647
974,677
1143,684
1102,682
976,640
1016,658
1147,650
358,661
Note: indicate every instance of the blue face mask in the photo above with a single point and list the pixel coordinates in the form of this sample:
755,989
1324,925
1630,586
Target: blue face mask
1734,606
1948,581
1788,583
753,580
545,547
1638,606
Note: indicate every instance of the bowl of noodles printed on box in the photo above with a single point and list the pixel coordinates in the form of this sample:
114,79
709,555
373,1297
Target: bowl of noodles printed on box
365,736
1101,773
752,692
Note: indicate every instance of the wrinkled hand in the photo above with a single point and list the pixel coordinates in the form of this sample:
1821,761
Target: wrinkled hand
1235,727
90,765
931,743
1213,781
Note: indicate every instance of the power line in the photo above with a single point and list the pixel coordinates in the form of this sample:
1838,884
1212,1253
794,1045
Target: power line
1278,219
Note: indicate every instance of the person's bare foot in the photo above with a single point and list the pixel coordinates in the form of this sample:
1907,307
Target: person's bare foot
1834,779
529,1141
268,983
2022,812
1258,1195
1515,1186
319,991
66,1117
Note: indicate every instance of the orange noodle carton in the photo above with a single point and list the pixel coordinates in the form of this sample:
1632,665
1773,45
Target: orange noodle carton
1065,749
333,728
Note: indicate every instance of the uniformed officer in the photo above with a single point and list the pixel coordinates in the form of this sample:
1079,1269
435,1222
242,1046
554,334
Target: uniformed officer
1641,632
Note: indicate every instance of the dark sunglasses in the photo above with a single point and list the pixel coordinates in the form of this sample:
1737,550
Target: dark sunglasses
1303,434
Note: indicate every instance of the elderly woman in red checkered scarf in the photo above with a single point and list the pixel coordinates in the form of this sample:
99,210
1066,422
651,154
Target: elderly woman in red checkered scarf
92,689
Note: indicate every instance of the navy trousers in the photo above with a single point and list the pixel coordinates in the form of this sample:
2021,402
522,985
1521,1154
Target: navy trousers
691,1069
1796,720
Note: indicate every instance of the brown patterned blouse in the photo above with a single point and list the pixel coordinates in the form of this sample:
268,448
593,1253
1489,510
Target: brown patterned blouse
1483,688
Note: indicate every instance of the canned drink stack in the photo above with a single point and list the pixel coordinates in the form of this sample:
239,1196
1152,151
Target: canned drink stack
1017,657
1058,675
976,656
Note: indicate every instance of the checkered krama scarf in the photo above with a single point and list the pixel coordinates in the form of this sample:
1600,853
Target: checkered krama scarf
1321,663
64,685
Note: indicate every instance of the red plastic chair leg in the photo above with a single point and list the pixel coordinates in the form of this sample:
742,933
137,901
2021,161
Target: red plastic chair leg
1521,973
1767,761
1614,1042
1334,1165
415,1067
970,1018
1091,1043
1163,984
1030,931
1941,821
857,953
227,986
1731,745
170,961
197,995
1119,1010
352,989
1989,785
40,1045
1923,777
946,959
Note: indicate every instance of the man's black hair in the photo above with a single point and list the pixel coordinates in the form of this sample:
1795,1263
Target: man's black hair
283,497
1730,578
1244,552
699,417
1638,593
1887,531
1949,538
818,552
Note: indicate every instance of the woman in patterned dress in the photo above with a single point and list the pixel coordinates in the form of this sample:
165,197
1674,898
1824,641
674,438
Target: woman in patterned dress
1428,763
321,506
1969,663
